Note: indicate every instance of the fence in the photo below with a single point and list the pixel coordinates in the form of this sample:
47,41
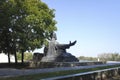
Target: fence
92,75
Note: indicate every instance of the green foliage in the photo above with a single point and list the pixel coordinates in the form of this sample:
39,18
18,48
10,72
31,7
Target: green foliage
19,56
24,25
83,58
27,56
29,22
109,57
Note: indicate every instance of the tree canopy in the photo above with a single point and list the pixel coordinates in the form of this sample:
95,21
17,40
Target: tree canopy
24,24
109,57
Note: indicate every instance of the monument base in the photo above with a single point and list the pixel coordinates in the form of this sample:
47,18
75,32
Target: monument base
64,57
61,64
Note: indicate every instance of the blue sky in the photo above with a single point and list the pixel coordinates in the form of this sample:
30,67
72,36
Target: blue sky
95,24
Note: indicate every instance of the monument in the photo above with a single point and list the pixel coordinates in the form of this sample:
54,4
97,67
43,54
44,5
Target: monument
56,52
55,55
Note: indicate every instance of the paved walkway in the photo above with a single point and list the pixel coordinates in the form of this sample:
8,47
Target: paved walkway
9,72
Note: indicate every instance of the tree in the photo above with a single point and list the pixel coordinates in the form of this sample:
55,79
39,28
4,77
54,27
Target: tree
4,28
27,56
83,58
109,57
28,23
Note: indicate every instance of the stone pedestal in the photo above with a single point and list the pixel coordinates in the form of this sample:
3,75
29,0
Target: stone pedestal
66,57
61,64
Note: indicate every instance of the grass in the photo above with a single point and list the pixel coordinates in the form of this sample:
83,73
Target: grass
54,74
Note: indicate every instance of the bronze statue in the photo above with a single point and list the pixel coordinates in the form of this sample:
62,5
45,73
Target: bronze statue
56,52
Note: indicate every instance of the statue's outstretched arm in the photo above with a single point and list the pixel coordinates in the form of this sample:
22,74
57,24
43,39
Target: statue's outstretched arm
65,46
73,43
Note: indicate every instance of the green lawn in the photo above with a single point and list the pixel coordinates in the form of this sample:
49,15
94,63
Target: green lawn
53,74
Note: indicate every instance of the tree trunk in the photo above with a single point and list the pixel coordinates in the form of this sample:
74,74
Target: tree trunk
15,57
22,59
9,57
8,51
14,51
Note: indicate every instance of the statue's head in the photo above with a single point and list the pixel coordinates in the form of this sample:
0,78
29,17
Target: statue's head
53,36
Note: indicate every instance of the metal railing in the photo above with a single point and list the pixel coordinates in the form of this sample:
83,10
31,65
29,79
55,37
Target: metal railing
91,75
